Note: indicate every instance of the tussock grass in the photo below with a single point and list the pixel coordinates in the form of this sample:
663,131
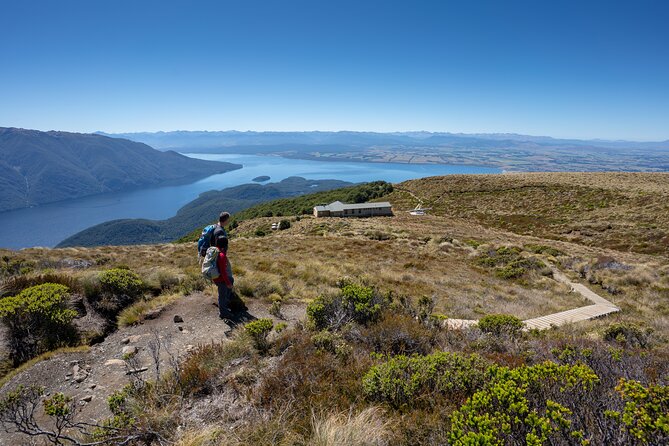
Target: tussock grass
136,312
367,428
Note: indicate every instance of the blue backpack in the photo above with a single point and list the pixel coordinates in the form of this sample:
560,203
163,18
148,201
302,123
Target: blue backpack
204,241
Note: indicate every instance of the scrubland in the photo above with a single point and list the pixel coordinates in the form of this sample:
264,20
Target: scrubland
372,362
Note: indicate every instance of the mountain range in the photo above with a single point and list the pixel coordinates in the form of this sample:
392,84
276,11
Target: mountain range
43,167
185,140
505,151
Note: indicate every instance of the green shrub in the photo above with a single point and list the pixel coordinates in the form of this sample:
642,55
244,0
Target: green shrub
259,330
627,334
353,303
259,232
121,282
646,411
510,272
284,224
415,381
37,320
326,341
520,406
118,287
543,249
499,324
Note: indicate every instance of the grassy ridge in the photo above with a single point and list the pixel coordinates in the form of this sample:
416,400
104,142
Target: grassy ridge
304,204
621,211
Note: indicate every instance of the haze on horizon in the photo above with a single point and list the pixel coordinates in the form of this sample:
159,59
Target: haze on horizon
589,70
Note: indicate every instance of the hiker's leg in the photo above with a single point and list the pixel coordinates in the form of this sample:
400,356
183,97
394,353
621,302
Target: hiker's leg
223,300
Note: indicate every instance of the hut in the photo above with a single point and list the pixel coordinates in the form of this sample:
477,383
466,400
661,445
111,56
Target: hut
339,209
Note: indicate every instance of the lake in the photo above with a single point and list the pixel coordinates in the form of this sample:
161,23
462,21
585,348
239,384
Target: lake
49,224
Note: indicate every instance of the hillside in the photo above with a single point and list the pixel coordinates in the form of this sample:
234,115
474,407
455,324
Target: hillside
620,211
350,340
196,214
43,167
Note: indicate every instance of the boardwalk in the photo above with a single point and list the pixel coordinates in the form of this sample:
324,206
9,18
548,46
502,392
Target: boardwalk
600,307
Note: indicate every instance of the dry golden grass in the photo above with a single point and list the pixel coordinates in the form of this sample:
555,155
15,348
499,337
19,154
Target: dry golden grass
367,428
136,312
623,211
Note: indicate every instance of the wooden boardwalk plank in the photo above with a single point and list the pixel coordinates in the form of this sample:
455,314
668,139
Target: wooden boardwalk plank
600,307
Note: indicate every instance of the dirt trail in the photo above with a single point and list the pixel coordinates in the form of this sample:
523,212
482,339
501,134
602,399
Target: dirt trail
90,377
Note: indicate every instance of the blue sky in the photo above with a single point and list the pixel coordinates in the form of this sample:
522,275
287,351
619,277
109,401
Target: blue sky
586,69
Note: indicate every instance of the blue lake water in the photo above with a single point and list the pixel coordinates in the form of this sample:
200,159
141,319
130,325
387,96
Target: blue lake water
47,225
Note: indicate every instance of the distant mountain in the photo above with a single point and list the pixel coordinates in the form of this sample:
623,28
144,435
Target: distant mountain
198,213
42,167
195,140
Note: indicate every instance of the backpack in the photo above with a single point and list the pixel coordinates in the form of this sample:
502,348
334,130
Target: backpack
204,241
210,264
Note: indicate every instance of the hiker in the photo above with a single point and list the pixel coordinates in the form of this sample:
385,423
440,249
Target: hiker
219,230
225,280
209,235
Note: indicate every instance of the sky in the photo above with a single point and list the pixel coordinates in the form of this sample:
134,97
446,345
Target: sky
576,69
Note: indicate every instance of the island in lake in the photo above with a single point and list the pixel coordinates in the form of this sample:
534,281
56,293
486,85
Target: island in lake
261,178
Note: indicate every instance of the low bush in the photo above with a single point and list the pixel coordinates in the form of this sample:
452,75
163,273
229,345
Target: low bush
397,333
353,303
197,373
37,319
646,411
627,334
509,263
543,249
501,324
524,406
121,282
114,290
404,382
284,224
258,330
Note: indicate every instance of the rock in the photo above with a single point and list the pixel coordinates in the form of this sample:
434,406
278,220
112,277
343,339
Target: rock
92,386
178,319
79,374
115,362
87,398
190,348
81,378
135,338
129,350
125,341
139,370
73,363
153,314
180,328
